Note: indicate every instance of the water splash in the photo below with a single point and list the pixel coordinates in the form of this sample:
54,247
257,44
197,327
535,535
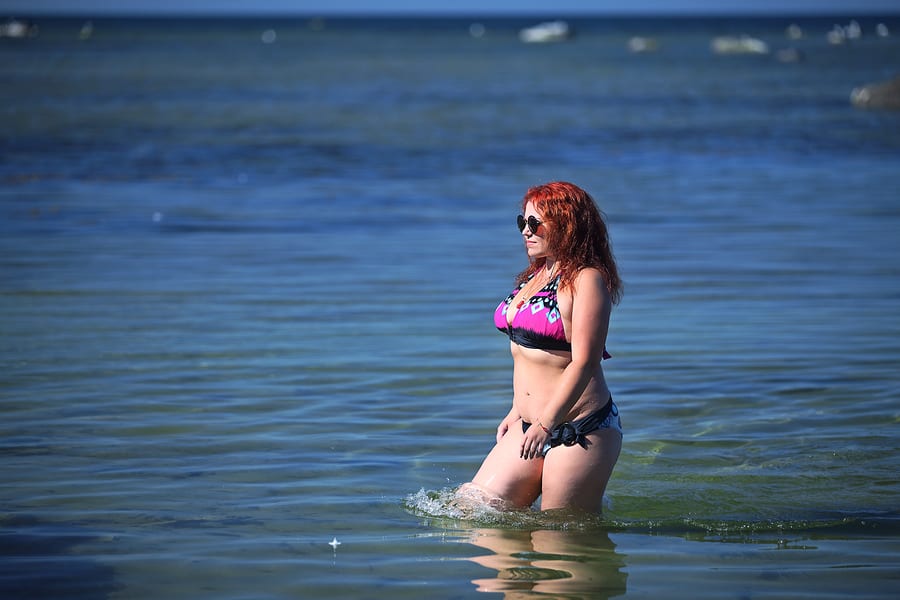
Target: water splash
467,506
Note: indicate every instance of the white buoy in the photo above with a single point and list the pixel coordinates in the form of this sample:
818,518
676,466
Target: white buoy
334,543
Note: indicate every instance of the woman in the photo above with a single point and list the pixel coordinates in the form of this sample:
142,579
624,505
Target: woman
562,436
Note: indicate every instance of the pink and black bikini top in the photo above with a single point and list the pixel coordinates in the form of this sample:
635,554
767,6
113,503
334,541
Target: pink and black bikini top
538,323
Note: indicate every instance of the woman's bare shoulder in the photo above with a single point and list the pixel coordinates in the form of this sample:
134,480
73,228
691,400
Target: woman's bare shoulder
590,282
590,276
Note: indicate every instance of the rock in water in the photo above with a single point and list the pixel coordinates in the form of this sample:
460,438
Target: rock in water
885,95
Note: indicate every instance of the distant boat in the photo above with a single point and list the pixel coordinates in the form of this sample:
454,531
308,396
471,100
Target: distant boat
15,29
738,45
789,55
794,32
640,45
87,30
551,31
836,36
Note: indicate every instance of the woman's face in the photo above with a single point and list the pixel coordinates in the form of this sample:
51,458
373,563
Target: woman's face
535,242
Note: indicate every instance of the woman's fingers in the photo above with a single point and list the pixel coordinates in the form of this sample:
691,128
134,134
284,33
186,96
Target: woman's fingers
531,448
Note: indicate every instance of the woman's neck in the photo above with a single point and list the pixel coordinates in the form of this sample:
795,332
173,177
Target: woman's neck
549,266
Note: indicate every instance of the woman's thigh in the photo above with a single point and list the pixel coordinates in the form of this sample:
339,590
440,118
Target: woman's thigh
508,476
575,477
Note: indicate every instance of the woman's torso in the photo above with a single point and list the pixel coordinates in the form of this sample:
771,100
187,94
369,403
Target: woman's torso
538,329
536,378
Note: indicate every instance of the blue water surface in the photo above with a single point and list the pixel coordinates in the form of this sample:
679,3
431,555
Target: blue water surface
246,294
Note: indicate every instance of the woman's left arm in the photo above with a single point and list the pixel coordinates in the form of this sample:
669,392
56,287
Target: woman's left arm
591,307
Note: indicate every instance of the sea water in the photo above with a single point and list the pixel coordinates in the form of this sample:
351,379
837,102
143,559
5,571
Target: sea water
248,267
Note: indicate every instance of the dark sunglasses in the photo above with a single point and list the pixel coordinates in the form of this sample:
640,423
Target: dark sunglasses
531,221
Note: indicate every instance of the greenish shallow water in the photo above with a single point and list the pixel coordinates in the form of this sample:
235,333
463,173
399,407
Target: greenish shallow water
245,299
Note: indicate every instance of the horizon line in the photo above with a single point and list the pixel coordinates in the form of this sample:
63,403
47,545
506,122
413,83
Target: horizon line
113,14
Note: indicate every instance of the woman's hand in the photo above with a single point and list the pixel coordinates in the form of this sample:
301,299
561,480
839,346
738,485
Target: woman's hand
534,441
502,428
505,424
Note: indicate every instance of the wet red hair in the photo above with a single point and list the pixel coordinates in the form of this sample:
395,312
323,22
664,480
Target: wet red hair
577,236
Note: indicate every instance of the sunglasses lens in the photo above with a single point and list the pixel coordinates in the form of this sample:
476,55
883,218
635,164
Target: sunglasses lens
520,221
531,221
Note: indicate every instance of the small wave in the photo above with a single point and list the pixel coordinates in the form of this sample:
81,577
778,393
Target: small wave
757,529
461,507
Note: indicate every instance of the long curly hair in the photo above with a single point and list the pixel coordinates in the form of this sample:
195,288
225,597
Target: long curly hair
577,236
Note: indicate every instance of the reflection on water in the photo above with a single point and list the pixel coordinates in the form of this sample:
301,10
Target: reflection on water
576,564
